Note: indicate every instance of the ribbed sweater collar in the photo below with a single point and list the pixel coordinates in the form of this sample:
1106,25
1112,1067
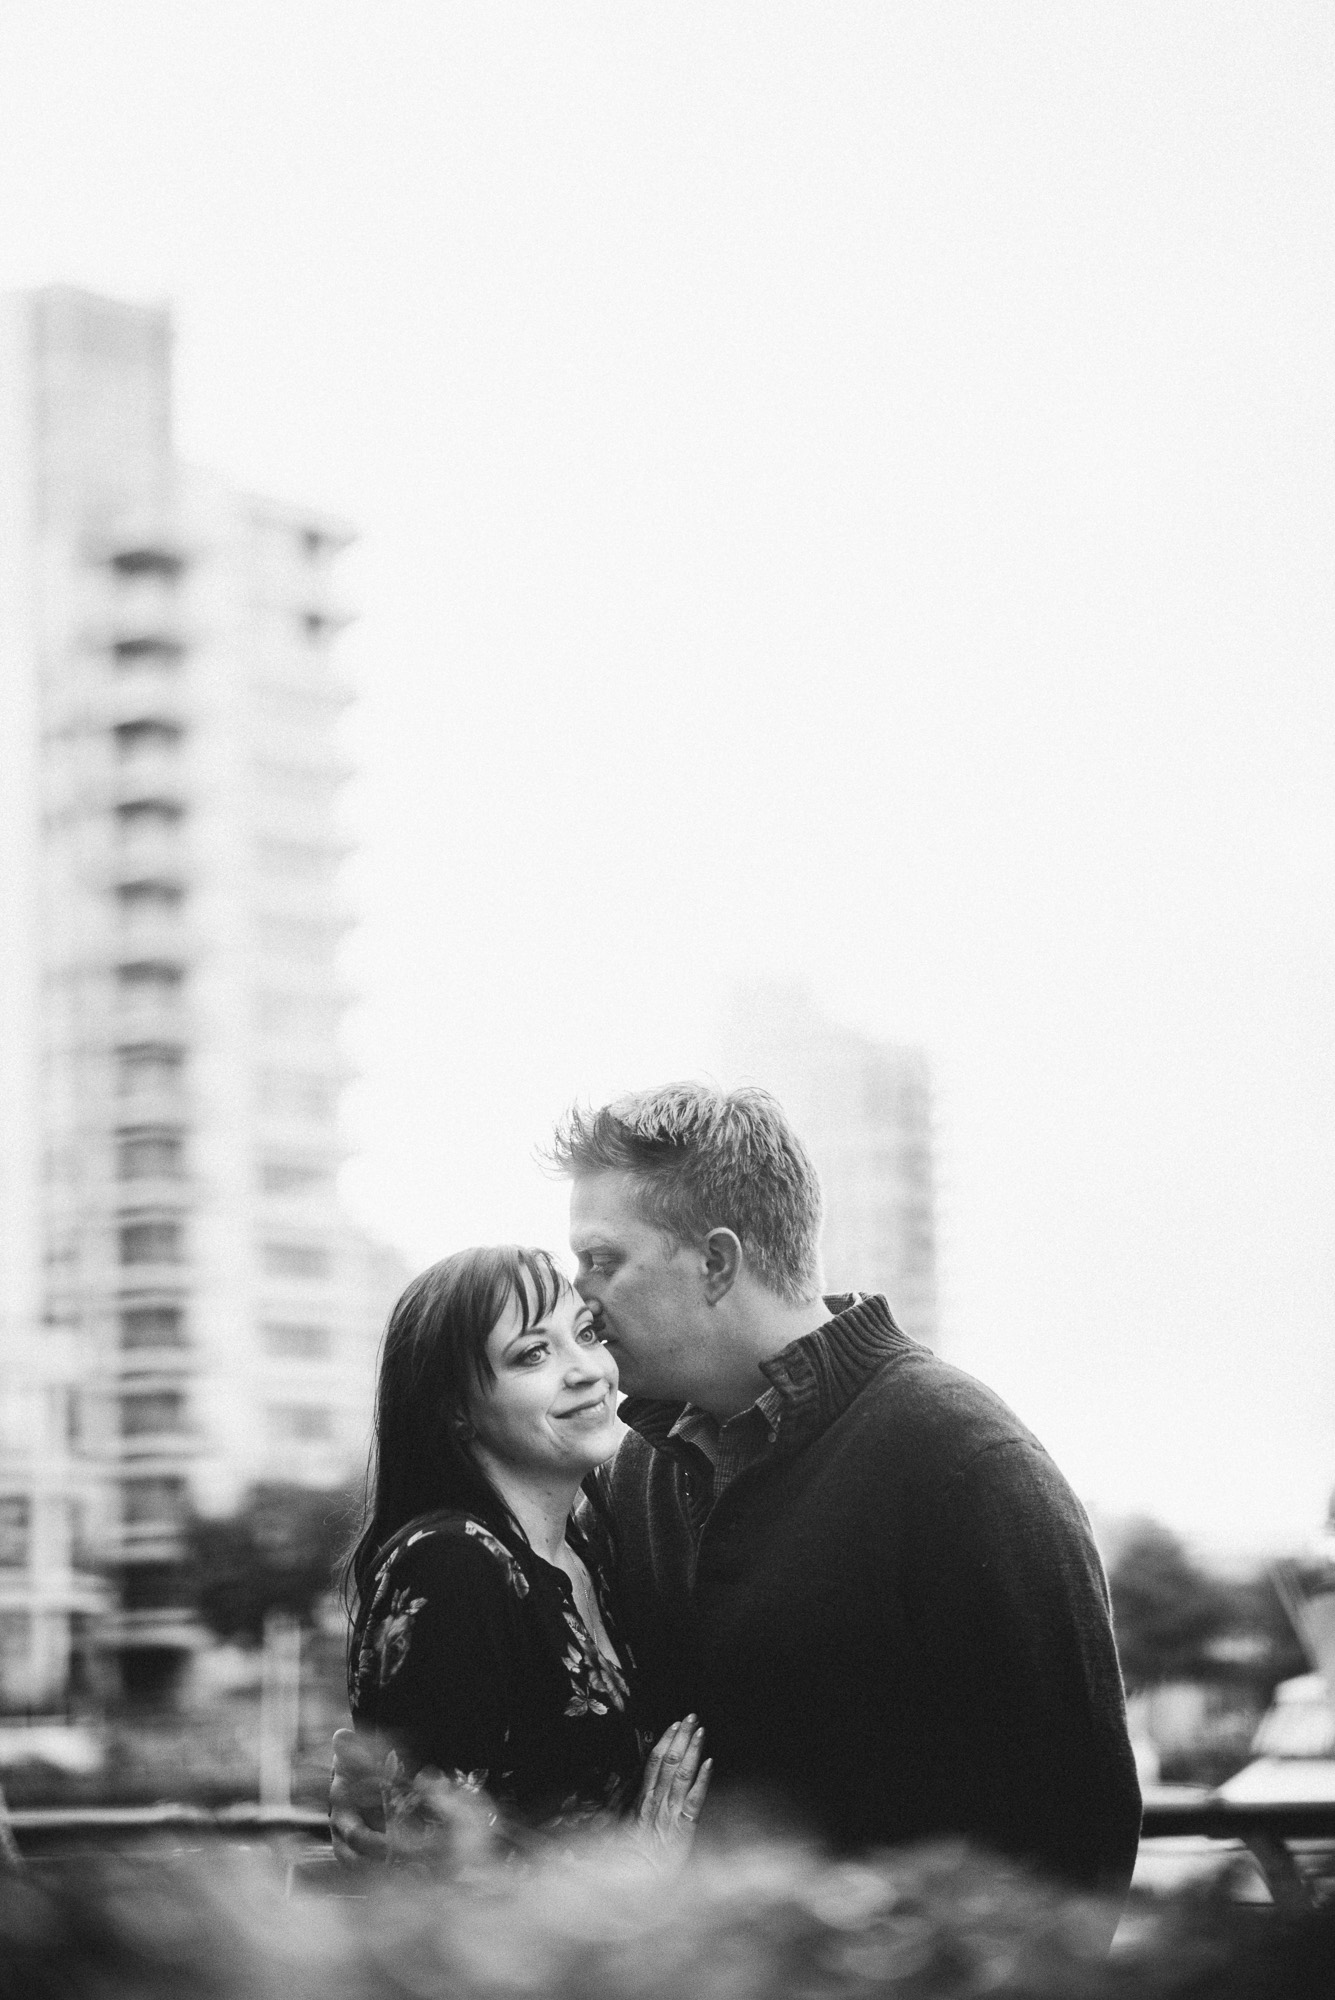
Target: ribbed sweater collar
817,1377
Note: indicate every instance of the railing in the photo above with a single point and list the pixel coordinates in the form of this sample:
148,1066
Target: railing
1268,1829
168,1816
29,1831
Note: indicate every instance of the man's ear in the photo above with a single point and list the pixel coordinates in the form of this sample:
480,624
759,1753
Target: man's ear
723,1263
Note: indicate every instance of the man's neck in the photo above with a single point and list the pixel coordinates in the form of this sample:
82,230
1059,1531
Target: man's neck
757,1335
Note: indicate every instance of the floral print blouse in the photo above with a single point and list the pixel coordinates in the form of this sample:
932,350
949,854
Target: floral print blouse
472,1656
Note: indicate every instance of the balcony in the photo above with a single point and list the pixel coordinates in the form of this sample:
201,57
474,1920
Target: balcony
176,1629
293,1123
159,892
145,1542
154,931
303,671
291,868
156,558
150,1016
148,742
153,1335
305,1263
323,619
150,691
163,1354
157,1278
165,1451
295,781
301,1024
295,1178
300,921
151,842
144,625
142,1367
151,1101
160,1191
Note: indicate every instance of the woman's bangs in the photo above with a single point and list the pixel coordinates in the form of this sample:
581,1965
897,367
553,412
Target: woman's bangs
537,1286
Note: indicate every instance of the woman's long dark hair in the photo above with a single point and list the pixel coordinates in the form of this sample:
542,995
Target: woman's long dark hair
432,1357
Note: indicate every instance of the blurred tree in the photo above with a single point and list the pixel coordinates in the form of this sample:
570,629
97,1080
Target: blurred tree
1257,1616
1177,1621
1167,1610
278,1552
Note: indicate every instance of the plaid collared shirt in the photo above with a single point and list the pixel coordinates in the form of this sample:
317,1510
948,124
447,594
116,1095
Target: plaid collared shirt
719,1451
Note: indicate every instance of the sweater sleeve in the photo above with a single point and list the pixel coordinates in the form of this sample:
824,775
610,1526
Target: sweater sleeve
1024,1703
440,1656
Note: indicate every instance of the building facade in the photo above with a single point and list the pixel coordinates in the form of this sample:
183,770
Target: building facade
182,1290
864,1110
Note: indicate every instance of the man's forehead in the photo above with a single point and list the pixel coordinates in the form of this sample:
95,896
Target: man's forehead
604,1209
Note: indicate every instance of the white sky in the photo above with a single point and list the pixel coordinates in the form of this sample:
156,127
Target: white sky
847,491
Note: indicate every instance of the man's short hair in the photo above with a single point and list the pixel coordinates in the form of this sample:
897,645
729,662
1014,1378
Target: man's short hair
707,1159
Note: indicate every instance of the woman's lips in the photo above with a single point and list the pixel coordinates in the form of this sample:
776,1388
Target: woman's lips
595,1408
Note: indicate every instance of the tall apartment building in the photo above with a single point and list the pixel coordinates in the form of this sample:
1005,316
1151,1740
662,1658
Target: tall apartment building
181,1292
864,1110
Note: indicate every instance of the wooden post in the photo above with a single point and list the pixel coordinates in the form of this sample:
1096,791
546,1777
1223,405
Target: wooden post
280,1706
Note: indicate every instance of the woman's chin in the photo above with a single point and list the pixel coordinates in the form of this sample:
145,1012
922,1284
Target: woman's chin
605,1441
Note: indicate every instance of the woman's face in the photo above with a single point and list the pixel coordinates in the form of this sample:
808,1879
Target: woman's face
551,1405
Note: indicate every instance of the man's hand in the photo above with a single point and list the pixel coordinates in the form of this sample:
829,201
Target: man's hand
673,1792
356,1798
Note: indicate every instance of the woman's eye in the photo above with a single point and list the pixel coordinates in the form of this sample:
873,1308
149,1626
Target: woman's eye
528,1355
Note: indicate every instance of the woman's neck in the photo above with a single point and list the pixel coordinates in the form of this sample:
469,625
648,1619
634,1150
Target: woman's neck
542,1508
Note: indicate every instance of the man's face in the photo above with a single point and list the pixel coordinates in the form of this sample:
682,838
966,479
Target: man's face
645,1290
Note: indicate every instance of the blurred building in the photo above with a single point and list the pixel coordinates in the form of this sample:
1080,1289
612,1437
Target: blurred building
864,1109
181,1292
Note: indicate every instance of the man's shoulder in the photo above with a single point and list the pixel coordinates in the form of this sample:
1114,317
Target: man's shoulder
935,1418
930,1415
955,1444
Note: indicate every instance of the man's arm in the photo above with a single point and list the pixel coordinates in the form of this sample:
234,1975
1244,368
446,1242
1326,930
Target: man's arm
1021,1684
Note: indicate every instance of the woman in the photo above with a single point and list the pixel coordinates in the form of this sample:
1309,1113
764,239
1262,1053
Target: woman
485,1641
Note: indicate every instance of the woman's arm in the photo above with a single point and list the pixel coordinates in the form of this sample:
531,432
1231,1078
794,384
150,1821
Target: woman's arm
440,1654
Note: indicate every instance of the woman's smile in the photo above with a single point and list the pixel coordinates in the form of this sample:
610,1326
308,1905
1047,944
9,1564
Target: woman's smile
592,1411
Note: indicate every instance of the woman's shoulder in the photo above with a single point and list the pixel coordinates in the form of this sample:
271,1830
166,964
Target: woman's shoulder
453,1546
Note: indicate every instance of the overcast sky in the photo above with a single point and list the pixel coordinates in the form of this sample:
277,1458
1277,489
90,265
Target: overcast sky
846,492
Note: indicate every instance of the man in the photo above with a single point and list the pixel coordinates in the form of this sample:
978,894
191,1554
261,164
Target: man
851,1559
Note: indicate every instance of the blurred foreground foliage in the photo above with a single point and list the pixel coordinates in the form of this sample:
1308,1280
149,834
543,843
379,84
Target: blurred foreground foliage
748,1920
278,1552
1176,1620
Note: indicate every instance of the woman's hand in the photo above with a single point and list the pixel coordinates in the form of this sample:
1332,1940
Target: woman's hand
378,1814
356,1797
437,1823
673,1792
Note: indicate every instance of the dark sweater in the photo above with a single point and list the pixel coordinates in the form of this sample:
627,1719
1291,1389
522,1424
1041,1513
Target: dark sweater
898,1621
